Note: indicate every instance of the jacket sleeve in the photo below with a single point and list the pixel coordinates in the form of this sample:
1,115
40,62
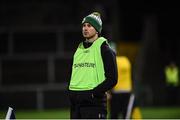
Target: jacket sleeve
110,68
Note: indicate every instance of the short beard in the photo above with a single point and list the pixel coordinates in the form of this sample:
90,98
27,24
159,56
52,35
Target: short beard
89,39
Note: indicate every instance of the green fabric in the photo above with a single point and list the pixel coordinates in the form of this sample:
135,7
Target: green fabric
88,68
172,76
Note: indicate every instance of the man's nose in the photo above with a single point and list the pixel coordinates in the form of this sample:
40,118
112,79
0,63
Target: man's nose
85,27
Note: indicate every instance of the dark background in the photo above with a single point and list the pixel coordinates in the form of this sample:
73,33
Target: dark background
38,38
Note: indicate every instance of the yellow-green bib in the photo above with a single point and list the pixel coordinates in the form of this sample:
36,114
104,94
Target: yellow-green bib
88,68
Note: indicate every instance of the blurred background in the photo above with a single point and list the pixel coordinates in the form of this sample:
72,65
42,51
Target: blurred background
38,39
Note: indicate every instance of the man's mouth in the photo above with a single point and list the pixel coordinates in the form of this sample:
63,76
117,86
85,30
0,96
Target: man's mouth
85,33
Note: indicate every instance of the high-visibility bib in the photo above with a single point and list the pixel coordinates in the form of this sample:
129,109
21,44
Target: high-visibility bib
124,83
88,67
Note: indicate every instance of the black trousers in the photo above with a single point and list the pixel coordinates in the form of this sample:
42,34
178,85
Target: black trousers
86,105
119,105
172,93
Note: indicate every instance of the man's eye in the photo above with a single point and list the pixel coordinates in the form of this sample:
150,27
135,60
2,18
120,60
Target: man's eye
89,25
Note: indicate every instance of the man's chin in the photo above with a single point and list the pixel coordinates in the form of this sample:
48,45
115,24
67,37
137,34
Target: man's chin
86,36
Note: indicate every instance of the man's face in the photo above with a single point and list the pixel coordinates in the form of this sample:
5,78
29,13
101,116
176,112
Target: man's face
88,31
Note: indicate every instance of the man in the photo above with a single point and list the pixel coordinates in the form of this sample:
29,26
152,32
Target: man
172,83
94,72
122,100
